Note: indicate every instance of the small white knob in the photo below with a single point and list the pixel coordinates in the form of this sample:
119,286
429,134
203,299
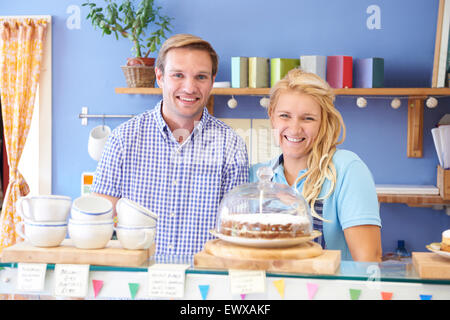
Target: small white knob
361,102
396,103
232,103
432,102
264,102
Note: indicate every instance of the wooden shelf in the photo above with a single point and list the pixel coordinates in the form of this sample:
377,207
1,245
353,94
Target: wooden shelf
415,92
413,200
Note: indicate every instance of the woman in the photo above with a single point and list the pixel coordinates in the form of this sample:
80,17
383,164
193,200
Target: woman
335,182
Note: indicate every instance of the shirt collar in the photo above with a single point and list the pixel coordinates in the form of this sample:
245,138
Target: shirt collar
278,171
277,166
162,125
164,128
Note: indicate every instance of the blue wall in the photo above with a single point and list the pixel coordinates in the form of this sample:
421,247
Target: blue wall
86,71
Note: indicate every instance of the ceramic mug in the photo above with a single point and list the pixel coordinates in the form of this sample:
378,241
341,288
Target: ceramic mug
130,213
42,234
90,234
44,207
91,207
97,139
134,238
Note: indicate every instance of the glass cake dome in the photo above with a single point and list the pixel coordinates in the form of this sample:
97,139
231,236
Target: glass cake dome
264,210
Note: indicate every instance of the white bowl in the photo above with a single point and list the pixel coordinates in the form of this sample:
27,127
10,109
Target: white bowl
130,213
42,234
91,208
52,208
91,234
133,238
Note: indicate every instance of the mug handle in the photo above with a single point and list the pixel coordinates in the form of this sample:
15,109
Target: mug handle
19,226
148,234
19,207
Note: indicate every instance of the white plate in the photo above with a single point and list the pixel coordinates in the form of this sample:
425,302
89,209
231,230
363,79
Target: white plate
266,243
435,247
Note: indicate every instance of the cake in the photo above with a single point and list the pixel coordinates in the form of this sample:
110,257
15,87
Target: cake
445,244
265,226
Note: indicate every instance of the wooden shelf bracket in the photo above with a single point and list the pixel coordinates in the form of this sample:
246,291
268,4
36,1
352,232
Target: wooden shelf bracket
415,127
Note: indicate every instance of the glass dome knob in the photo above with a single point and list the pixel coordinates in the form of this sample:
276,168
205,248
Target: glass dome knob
264,174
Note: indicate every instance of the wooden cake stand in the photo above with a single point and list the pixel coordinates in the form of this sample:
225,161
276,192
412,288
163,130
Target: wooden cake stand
306,257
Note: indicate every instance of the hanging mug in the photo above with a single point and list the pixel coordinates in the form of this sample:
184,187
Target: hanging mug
97,139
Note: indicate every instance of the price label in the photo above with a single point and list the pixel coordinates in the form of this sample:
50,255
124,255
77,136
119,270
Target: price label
71,280
31,276
247,281
167,280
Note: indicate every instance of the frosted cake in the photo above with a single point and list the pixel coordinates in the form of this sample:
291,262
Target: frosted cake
265,226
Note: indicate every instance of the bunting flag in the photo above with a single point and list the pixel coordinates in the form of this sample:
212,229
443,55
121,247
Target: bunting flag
425,297
204,289
279,284
312,289
134,287
386,295
354,294
243,296
98,284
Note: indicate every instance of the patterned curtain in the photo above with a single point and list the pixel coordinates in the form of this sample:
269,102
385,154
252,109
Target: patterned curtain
21,48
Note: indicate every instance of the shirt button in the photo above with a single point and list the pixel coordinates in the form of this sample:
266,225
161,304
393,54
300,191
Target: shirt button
175,182
172,214
170,246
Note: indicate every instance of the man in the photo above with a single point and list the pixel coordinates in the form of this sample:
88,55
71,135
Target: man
176,160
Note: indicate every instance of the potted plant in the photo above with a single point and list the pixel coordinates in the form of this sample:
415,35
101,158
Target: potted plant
132,21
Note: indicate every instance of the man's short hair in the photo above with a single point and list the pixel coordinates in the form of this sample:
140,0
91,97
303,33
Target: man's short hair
186,41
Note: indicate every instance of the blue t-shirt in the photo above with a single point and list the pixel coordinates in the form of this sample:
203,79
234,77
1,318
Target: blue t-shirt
353,202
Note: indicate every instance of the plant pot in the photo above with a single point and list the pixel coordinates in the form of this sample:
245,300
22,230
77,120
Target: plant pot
140,72
150,62
139,76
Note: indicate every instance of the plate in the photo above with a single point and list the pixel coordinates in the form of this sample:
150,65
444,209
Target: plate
436,248
266,243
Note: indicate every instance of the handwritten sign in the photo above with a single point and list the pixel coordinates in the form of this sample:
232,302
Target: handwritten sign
71,280
247,281
31,276
166,280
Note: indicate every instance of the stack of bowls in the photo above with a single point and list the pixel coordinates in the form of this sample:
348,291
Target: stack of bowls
136,226
91,223
44,219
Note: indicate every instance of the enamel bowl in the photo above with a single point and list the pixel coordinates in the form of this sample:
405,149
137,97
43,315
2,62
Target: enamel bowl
42,234
133,238
91,208
91,234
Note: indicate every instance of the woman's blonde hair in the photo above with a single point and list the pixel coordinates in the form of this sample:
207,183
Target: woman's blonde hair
189,41
320,166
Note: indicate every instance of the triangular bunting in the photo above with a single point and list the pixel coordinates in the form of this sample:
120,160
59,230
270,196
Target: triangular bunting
386,295
279,284
354,294
97,284
204,289
425,297
243,296
134,287
312,289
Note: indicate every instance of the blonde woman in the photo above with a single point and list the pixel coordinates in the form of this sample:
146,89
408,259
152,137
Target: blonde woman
336,183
